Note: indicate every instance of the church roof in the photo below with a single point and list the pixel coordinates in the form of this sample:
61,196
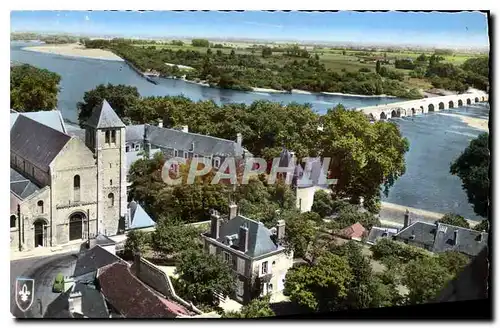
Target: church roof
50,118
103,116
35,142
21,186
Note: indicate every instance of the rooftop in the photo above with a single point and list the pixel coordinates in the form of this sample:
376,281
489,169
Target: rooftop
21,186
103,116
52,119
93,259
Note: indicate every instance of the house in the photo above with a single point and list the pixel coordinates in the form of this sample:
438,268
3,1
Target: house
93,259
440,237
63,188
380,232
129,297
354,232
106,243
252,250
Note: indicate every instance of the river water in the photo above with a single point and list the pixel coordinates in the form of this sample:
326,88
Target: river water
435,140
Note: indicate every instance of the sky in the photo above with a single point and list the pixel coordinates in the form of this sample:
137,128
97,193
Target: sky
462,29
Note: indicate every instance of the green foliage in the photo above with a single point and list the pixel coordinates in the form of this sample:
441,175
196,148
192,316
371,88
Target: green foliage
482,226
349,214
387,248
121,98
472,167
32,88
201,275
404,64
322,203
200,43
171,237
363,155
301,232
267,52
377,67
177,43
455,219
257,308
453,261
137,241
322,286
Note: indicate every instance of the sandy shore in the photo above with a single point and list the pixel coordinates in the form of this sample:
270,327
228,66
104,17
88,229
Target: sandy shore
75,50
393,215
357,96
180,66
474,122
266,90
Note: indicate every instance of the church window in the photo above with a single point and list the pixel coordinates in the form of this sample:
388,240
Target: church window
40,206
113,136
107,137
111,198
76,188
13,221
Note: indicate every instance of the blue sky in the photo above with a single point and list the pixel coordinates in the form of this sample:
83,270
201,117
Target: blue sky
466,29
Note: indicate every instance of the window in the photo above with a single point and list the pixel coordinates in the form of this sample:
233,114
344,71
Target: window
240,288
216,162
110,165
40,206
195,155
137,147
176,153
241,266
185,154
111,198
13,221
269,288
227,257
107,137
192,146
33,171
264,268
127,148
76,188
113,136
110,182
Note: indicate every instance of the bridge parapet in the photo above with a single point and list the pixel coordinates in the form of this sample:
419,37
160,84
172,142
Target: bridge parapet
422,106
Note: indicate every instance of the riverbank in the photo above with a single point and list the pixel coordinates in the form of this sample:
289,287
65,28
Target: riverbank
473,122
354,95
75,50
393,215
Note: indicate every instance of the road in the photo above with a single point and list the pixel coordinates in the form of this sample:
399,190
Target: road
43,270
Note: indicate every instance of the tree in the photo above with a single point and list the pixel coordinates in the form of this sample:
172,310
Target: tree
425,278
301,231
171,237
482,226
267,52
201,275
137,241
257,308
33,89
121,98
377,67
455,220
363,156
200,43
322,286
322,203
472,167
453,261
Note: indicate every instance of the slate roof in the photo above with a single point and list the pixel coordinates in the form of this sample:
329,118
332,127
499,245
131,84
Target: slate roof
102,241
260,240
52,118
93,303
424,233
132,298
440,237
93,259
170,138
469,241
138,217
36,142
21,186
379,232
103,116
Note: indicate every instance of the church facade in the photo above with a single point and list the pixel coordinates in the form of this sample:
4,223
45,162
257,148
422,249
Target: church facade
63,188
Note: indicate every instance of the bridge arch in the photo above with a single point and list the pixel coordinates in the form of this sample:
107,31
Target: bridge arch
431,107
476,99
483,99
441,105
371,117
383,116
394,114
413,111
422,110
469,101
451,104
460,103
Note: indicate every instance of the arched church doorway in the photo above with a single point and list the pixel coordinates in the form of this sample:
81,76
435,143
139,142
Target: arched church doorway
40,227
76,226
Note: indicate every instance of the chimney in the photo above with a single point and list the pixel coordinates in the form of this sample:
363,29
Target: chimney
75,302
185,128
455,237
137,263
406,219
233,211
239,138
480,237
243,239
280,230
160,123
215,224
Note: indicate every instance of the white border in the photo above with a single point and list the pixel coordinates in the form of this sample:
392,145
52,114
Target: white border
213,5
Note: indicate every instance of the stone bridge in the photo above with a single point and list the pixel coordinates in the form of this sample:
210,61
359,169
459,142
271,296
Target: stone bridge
422,106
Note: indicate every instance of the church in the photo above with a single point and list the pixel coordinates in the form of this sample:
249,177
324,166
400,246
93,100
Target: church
64,188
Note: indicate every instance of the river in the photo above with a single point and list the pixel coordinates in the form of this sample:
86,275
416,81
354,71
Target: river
435,140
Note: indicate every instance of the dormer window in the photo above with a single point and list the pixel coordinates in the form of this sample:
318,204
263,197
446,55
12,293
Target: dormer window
192,147
186,155
176,153
216,162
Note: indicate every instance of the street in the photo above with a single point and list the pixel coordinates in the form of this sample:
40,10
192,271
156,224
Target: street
43,270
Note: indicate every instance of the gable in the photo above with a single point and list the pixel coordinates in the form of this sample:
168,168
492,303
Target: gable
74,154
